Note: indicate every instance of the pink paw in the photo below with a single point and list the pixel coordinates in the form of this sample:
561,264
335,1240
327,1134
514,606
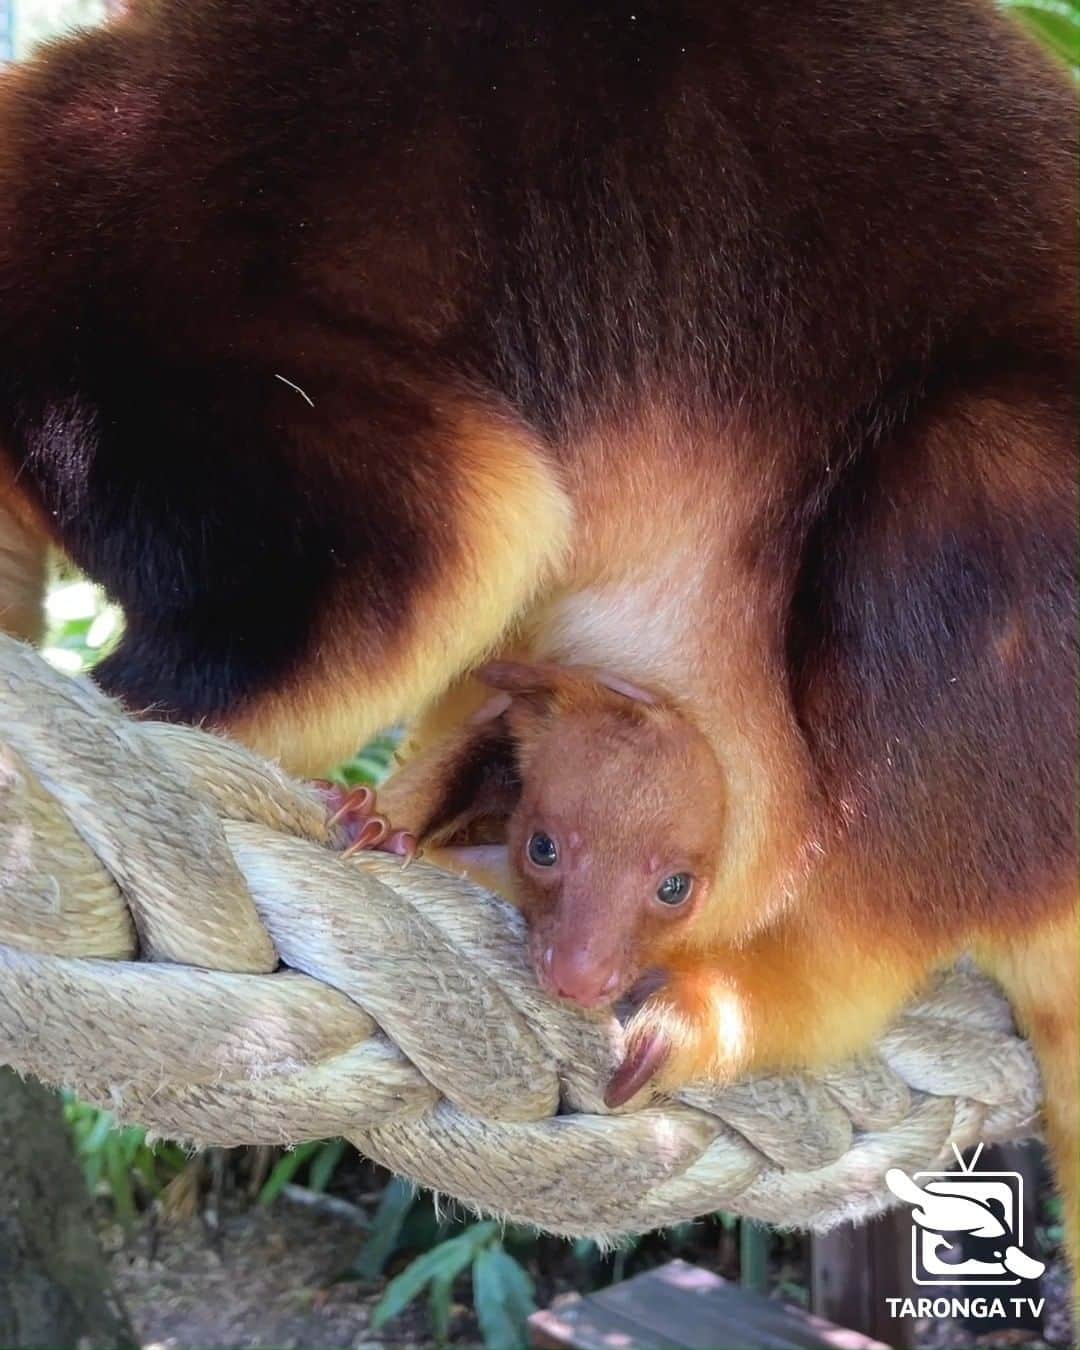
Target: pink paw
355,812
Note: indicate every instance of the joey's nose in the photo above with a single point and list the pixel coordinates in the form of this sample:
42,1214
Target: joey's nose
579,976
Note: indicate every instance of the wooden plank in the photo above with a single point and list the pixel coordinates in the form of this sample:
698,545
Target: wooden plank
702,1311
682,1307
854,1270
753,1256
551,1328
586,1325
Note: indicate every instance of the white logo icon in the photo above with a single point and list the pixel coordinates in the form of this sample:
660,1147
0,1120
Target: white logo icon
988,1207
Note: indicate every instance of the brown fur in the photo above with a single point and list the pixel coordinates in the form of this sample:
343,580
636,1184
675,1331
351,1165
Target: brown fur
631,793
728,344
504,524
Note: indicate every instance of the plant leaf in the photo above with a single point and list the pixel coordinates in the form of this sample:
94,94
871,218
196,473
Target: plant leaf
1057,22
119,1174
503,1294
397,1200
325,1164
285,1169
446,1261
440,1306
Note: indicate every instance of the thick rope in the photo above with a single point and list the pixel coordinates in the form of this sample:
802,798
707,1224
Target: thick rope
181,943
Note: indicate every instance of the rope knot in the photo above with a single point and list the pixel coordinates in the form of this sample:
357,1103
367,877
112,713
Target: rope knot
181,943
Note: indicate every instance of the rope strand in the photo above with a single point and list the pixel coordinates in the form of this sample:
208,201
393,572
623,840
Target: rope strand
181,943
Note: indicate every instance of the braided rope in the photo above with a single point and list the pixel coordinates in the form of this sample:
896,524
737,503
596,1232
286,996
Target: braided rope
181,943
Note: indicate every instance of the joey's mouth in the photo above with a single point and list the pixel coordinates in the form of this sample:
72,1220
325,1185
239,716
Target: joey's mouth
606,998
567,977
590,1002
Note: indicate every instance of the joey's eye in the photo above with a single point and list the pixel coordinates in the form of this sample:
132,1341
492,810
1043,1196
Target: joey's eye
543,851
675,889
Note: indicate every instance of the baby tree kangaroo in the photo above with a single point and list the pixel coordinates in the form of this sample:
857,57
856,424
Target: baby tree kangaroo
611,805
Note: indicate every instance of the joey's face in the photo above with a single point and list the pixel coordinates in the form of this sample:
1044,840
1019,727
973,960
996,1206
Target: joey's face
614,847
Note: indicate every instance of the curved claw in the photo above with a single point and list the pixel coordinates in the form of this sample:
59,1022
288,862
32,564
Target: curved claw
359,801
372,834
402,842
643,1062
355,811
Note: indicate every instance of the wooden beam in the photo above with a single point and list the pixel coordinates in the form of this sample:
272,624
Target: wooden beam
853,1271
682,1307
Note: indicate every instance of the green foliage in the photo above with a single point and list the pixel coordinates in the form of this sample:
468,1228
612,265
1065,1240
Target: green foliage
1056,22
370,766
502,1289
448,1250
503,1296
445,1250
119,1162
321,1159
443,1263
384,1235
81,624
1051,1227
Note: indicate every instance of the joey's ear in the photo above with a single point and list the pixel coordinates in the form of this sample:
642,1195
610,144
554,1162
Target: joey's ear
617,685
493,708
545,678
525,700
522,677
528,698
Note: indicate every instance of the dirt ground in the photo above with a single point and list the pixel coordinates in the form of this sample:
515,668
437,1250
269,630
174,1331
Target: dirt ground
271,1278
266,1278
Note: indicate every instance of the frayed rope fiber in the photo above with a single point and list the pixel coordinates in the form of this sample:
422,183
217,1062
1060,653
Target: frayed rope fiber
181,943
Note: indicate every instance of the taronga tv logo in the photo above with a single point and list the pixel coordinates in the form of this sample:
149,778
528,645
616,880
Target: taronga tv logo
983,1209
987,1208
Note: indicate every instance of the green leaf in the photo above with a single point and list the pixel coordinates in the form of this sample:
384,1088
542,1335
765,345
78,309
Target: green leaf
425,1227
370,766
521,1241
119,1174
1056,22
1062,35
397,1200
446,1261
325,1164
71,634
99,1133
172,1158
285,1170
441,1305
146,1165
503,1295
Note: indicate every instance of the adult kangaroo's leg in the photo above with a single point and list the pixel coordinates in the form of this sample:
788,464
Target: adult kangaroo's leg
23,557
1041,975
445,550
299,571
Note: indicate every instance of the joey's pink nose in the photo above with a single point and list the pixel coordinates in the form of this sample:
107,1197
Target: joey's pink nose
580,977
